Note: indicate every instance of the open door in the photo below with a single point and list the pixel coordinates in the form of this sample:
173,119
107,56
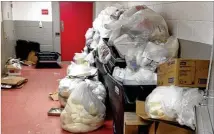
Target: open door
75,19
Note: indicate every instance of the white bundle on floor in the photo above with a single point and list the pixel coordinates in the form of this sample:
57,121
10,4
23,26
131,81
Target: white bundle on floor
84,112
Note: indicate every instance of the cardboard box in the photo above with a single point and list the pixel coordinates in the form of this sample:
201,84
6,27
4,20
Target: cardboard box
133,124
164,128
183,73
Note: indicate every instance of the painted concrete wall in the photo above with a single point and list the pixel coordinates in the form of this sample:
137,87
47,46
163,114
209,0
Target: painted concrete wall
27,17
8,33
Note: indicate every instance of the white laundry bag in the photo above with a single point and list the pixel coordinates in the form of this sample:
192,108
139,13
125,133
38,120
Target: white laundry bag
84,112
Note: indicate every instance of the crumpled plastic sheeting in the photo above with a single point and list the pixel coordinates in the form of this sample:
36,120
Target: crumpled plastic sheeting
185,112
97,88
84,112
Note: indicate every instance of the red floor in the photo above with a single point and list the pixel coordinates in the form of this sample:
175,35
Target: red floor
24,111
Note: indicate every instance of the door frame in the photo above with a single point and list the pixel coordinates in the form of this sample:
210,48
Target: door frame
56,27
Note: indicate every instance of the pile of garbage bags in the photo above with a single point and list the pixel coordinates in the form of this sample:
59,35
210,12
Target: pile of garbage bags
174,103
81,94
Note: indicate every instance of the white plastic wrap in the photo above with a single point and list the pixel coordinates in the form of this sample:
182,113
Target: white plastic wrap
140,77
80,70
104,53
172,46
88,42
84,112
89,33
163,102
66,86
96,36
119,73
185,111
105,18
97,88
133,56
145,24
90,58
79,57
152,56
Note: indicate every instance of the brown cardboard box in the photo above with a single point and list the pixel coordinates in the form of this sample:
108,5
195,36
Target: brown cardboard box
132,123
164,128
183,73
140,109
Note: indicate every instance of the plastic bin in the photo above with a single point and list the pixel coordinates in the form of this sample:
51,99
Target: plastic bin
116,58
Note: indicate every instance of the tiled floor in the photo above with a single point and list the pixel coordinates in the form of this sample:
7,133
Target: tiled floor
24,111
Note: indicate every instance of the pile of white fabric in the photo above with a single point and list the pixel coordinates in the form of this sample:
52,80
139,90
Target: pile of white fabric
85,110
174,103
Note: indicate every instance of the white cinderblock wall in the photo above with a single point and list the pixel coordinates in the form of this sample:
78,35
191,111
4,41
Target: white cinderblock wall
187,20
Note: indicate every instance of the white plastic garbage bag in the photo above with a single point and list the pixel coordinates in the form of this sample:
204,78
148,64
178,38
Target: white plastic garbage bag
105,18
185,111
84,112
163,102
152,56
80,70
66,86
97,88
89,33
79,57
144,23
104,53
